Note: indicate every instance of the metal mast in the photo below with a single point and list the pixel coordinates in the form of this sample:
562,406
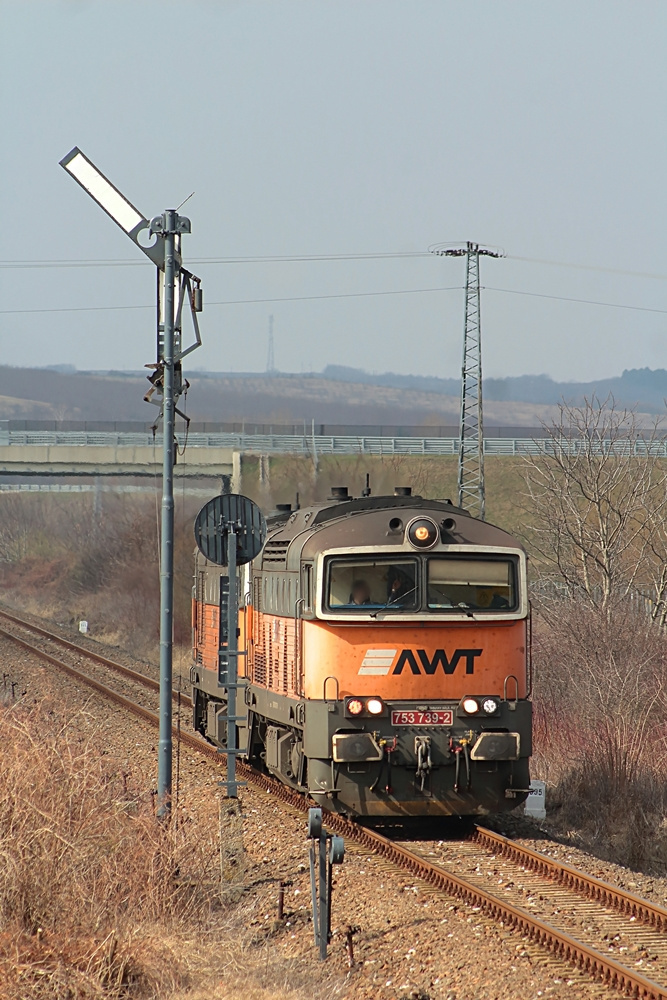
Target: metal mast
175,286
471,494
270,360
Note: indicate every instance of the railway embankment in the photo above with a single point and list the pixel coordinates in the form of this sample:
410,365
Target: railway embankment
411,939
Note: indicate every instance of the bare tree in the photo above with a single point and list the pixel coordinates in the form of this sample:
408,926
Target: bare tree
21,519
596,503
602,689
597,493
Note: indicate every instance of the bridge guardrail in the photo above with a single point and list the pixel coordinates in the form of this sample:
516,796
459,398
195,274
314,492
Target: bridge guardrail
276,444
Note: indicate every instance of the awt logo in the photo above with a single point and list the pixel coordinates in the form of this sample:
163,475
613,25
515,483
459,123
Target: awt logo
378,662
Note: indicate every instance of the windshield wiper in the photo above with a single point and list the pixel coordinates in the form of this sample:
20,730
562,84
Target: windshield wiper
466,610
393,600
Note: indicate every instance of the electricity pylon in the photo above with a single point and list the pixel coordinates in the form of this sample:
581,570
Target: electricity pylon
471,493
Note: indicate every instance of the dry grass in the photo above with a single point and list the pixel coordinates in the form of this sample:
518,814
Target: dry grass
99,900
62,559
84,864
600,716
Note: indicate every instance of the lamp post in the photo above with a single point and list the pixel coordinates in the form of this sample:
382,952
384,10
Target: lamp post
174,284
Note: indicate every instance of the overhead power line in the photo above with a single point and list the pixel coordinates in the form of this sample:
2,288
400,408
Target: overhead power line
241,302
349,295
287,258
589,267
306,258
565,298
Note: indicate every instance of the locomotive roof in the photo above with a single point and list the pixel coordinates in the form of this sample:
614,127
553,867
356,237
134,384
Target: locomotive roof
353,521
334,508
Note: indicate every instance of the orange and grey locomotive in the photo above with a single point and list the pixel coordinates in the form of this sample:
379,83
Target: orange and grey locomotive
384,657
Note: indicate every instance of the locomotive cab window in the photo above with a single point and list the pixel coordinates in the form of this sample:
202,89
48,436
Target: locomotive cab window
367,585
475,584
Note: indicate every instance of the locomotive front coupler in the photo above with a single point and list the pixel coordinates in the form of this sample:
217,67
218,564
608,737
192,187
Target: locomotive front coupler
424,764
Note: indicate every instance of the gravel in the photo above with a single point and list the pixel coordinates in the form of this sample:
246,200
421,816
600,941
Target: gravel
411,943
550,840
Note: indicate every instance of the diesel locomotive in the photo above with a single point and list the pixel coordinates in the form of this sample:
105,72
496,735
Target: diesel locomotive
384,657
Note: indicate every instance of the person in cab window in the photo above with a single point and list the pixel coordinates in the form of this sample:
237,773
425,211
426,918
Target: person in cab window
491,600
401,587
361,593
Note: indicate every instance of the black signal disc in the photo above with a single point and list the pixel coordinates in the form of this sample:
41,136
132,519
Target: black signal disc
212,528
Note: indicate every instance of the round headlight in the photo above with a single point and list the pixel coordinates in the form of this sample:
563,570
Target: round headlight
423,533
490,705
355,706
374,706
470,705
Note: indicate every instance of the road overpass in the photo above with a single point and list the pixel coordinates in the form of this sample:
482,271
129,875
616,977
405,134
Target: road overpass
112,458
32,453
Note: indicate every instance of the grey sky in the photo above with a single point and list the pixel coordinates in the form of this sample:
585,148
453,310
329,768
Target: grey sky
348,126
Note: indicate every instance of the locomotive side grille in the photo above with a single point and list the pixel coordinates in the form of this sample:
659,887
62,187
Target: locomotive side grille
259,670
199,625
209,637
259,650
257,593
288,658
285,670
290,647
273,653
275,552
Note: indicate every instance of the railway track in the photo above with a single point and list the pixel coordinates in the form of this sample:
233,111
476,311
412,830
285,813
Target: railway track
22,632
619,939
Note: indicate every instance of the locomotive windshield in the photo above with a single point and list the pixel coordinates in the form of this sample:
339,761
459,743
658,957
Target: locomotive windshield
363,585
440,584
476,584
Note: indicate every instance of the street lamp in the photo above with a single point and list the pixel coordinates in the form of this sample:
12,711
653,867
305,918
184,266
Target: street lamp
175,285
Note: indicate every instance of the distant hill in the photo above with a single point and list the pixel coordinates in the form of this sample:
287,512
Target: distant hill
337,396
645,388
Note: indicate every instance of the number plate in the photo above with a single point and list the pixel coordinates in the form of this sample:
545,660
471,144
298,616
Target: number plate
441,717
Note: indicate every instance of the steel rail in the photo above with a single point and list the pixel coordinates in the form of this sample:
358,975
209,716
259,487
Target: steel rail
89,654
566,875
562,945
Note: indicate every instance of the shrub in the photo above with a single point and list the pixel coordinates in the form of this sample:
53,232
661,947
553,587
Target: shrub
600,713
86,866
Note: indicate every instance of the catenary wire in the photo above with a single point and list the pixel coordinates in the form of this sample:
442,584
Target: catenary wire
305,258
239,302
566,298
589,267
265,259
354,295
